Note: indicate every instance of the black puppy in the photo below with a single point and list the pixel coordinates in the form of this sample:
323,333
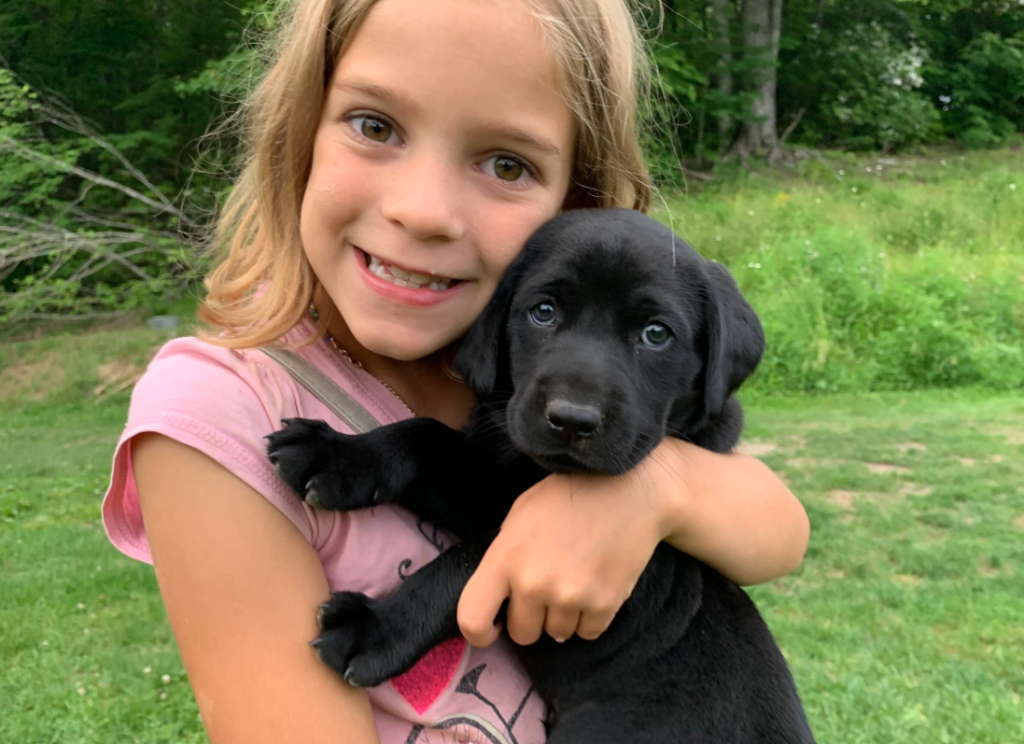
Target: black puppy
605,335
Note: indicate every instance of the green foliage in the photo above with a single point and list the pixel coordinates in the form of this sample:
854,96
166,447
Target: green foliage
866,85
985,100
871,275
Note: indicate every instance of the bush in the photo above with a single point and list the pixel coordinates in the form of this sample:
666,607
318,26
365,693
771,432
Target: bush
910,278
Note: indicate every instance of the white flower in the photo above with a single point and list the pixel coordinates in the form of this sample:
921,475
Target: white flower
943,162
80,606
842,172
163,695
147,670
1013,187
81,690
165,679
854,189
46,643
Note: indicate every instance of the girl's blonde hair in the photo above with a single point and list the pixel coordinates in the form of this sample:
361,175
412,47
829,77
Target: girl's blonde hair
262,284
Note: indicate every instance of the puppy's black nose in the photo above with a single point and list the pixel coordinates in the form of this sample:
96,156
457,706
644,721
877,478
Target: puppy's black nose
572,421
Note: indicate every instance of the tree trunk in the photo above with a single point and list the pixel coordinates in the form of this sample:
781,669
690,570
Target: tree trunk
762,26
770,130
723,76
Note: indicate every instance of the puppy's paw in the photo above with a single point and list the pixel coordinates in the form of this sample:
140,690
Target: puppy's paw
357,642
327,469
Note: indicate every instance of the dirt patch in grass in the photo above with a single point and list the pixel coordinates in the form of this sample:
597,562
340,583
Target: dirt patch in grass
1012,434
881,468
842,498
915,489
756,448
33,381
967,462
907,579
908,446
813,462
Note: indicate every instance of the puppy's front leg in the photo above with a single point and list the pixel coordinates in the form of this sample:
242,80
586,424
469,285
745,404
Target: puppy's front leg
418,463
370,641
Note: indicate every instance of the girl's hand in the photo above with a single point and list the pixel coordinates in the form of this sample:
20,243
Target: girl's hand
568,556
572,547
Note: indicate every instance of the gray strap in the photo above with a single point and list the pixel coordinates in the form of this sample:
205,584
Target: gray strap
324,388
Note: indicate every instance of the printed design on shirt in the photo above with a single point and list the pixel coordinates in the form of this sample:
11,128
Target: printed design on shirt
468,728
435,536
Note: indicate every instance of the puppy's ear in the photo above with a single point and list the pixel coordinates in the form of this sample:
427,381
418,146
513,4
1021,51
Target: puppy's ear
482,357
735,340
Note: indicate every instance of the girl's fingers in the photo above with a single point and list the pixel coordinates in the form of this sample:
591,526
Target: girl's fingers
525,620
593,624
561,624
480,603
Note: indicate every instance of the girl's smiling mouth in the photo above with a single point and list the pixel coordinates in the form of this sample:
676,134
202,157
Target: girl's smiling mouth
404,285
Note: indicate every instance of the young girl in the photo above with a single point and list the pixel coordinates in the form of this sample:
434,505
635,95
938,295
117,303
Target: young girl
400,152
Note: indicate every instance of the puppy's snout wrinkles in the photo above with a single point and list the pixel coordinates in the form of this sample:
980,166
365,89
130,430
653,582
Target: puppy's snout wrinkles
572,421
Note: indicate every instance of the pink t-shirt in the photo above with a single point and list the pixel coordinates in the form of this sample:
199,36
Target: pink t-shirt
223,402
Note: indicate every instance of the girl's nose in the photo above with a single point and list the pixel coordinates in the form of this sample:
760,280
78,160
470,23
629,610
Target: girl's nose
424,199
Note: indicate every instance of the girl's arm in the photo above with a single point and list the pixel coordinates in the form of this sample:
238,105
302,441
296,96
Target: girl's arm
732,512
572,547
241,586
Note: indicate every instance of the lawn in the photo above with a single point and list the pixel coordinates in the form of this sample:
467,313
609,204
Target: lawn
904,623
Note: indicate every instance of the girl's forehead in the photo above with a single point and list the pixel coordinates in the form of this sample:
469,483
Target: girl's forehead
468,59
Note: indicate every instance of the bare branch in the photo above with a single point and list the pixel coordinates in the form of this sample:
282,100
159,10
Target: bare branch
29,154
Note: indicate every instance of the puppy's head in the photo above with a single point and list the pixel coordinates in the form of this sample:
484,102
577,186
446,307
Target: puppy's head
605,335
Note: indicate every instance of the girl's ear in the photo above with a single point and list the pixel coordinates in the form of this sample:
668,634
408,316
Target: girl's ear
482,357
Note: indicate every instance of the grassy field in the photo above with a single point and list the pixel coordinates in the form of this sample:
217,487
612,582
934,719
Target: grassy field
904,622
874,273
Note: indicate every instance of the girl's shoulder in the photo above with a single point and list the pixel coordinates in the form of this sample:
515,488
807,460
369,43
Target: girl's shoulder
224,402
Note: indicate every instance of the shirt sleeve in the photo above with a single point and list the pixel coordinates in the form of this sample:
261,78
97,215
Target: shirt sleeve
219,401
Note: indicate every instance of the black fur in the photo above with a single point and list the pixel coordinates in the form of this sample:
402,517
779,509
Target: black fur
688,658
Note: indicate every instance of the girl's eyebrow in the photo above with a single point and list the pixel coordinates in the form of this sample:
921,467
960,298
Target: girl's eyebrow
373,90
504,131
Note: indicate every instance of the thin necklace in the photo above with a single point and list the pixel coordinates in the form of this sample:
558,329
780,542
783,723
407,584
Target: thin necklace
354,362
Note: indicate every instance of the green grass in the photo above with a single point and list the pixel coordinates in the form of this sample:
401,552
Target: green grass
909,275
903,624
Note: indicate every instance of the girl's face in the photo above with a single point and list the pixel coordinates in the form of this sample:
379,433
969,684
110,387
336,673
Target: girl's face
444,143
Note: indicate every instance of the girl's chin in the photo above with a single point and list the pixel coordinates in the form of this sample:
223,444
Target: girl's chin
402,349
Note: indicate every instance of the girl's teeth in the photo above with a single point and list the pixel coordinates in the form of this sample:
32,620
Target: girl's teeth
403,278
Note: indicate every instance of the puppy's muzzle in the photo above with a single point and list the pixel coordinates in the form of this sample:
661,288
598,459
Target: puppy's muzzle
572,422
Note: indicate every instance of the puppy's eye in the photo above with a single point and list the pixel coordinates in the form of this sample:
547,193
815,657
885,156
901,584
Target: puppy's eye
656,336
543,314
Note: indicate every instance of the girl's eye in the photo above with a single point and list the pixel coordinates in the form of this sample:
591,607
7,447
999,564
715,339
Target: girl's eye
543,314
507,169
374,129
656,336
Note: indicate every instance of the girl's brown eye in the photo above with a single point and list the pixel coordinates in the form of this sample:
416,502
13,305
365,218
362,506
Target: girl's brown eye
375,129
508,169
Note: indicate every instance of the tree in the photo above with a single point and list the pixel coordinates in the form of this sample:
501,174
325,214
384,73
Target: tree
762,31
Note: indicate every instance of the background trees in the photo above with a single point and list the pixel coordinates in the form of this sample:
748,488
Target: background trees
102,104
